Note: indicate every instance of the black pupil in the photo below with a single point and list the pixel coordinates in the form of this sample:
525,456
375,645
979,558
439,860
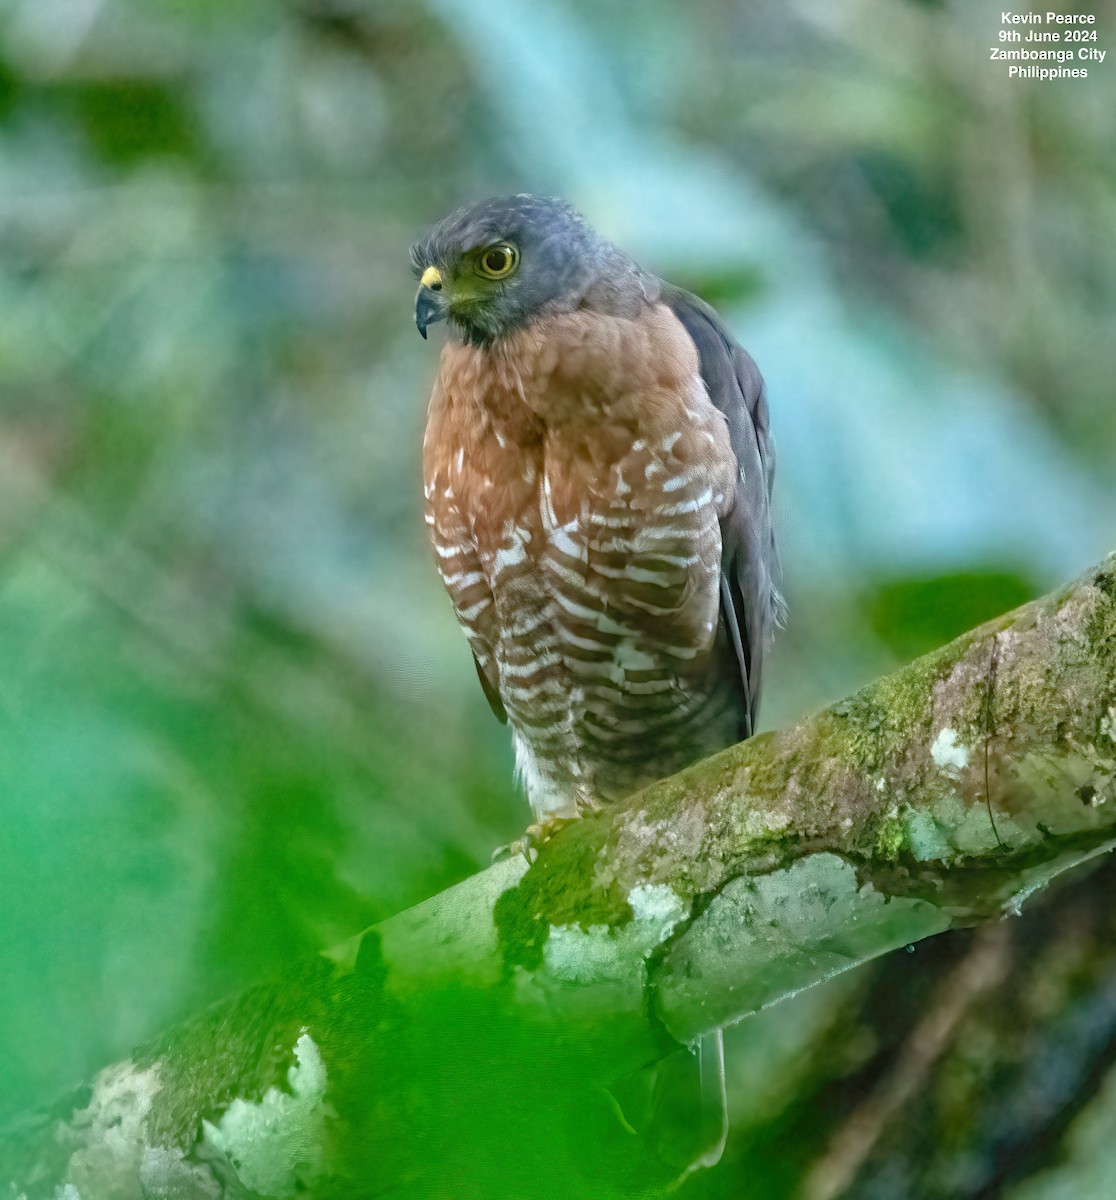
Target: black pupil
496,261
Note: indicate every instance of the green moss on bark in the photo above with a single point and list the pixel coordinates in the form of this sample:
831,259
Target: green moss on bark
561,887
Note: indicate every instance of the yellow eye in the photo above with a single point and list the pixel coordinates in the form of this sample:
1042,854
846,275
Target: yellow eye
498,262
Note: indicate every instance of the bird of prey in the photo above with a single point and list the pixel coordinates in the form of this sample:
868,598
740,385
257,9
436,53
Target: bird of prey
598,470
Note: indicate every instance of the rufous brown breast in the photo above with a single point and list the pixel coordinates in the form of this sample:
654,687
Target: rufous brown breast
575,476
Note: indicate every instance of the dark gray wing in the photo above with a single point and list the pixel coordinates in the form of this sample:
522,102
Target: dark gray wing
751,605
491,692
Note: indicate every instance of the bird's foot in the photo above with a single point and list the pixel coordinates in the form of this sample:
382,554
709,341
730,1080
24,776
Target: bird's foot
533,837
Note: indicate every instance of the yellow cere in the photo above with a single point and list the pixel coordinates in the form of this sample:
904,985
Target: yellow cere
431,277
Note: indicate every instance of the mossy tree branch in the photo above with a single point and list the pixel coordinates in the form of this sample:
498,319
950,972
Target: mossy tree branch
495,1039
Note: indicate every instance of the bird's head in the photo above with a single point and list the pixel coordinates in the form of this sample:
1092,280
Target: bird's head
493,267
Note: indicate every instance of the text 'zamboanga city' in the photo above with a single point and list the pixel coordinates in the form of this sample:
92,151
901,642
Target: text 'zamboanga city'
1065,38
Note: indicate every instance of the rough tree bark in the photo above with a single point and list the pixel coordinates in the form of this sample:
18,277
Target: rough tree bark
499,1038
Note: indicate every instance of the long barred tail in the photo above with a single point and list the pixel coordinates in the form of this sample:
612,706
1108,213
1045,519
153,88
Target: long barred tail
678,1107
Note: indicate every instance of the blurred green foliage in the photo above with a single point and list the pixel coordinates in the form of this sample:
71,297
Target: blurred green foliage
238,720
911,616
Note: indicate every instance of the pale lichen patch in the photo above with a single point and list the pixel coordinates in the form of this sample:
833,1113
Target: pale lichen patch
925,839
578,955
276,1144
1108,725
110,1149
947,752
585,956
657,903
110,1132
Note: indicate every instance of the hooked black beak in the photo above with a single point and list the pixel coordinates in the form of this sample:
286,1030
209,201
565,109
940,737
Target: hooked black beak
429,304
